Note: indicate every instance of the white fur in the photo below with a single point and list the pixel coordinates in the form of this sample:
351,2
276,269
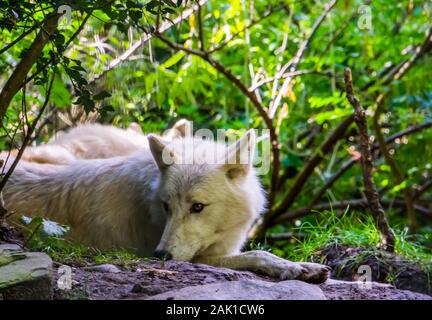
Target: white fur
115,202
96,141
118,203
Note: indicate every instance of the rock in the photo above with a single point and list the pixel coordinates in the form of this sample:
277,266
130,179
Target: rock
106,268
246,290
348,290
24,275
184,280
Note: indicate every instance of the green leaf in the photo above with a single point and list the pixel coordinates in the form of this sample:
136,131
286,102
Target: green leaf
332,115
173,60
151,5
60,95
101,95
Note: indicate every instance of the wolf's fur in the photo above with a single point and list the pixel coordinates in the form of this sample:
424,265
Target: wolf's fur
120,202
96,141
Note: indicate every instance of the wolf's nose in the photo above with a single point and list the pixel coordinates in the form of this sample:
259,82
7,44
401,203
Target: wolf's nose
163,255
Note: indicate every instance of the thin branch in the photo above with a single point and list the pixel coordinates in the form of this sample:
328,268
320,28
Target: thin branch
157,24
396,72
424,48
200,28
179,47
353,204
398,175
14,42
423,188
292,65
329,183
248,26
288,75
26,140
146,37
387,235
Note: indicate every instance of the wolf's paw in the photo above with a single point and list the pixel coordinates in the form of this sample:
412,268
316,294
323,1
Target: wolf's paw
284,270
314,272
280,269
275,267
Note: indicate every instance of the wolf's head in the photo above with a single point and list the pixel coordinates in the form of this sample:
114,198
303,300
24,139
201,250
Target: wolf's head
209,193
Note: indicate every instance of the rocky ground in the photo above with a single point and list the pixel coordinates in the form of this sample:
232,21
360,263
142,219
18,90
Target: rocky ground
25,275
183,280
404,274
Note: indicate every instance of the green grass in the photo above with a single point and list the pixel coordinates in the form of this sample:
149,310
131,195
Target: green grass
67,252
352,230
47,236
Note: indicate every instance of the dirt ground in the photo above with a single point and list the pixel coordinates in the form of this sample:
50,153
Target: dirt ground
146,279
385,267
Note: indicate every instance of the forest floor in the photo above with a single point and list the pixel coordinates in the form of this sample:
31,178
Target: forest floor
154,279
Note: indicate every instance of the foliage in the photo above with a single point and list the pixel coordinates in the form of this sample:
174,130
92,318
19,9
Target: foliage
353,230
156,85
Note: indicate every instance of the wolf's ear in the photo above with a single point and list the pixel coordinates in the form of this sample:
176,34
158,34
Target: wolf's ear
135,127
181,129
239,156
162,154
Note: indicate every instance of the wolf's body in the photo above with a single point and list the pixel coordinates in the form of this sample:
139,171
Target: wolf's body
190,211
96,141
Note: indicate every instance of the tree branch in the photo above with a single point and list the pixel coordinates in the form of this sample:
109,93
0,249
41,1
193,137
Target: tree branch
26,140
14,42
18,76
248,26
387,235
290,74
292,64
398,175
146,37
423,188
357,204
329,183
200,28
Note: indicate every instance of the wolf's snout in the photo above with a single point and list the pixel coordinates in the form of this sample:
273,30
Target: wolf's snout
163,255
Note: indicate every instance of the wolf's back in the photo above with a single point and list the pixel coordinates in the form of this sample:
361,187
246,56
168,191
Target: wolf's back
31,188
101,200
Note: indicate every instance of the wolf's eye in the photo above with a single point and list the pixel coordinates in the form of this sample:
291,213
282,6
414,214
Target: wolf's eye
197,207
165,206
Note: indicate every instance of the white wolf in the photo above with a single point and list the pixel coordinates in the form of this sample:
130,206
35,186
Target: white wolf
96,141
187,210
